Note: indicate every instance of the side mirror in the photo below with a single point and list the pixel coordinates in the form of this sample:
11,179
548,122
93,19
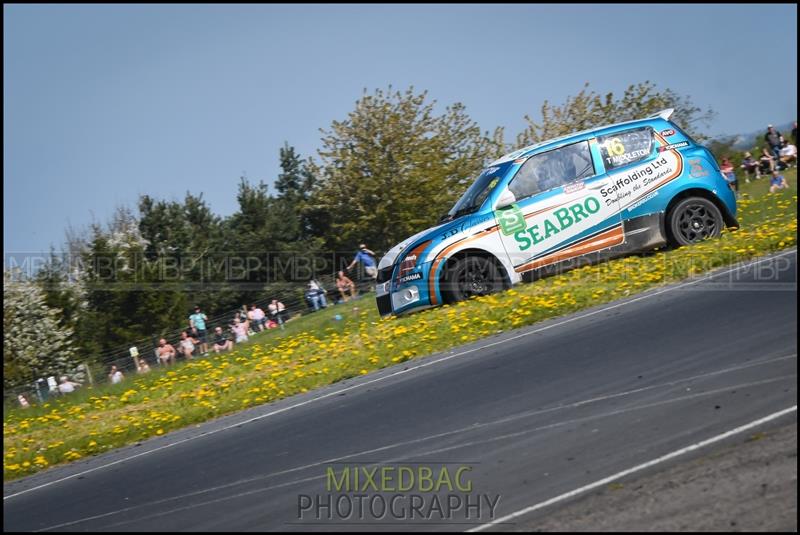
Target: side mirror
507,198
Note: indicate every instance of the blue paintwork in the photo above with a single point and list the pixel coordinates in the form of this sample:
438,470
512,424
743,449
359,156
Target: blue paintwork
467,225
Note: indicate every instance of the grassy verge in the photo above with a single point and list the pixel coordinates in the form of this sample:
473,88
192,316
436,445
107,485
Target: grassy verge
320,350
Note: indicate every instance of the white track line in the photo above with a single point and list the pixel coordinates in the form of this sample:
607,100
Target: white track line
636,468
408,370
419,455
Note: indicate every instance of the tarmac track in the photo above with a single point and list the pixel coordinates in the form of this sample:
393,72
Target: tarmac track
539,416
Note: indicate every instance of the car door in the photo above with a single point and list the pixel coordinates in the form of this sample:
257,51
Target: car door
564,207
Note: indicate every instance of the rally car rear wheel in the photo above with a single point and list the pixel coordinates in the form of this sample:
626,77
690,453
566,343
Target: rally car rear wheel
693,220
469,277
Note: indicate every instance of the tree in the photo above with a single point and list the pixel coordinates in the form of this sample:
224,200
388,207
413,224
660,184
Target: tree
588,110
394,166
35,345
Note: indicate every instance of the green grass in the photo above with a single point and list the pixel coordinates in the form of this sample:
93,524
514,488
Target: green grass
317,350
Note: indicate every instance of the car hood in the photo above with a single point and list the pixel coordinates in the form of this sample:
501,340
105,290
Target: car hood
435,234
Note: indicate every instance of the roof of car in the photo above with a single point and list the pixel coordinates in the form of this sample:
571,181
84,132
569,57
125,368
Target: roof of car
554,142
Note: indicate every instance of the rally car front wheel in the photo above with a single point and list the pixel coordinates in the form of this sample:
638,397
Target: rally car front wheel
693,220
469,277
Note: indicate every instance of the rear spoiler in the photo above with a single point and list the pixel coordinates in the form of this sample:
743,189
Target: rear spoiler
664,114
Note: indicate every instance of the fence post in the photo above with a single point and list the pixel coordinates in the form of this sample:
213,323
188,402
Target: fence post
88,373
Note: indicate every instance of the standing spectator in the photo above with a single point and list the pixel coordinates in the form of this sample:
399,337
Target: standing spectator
142,366
239,329
221,342
198,323
243,317
166,353
774,141
767,161
187,345
115,376
751,167
276,311
726,167
344,284
366,257
788,155
65,386
282,312
777,182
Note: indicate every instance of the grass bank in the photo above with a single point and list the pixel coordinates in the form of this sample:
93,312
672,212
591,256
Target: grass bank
319,350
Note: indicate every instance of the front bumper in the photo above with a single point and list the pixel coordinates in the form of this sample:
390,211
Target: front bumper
394,297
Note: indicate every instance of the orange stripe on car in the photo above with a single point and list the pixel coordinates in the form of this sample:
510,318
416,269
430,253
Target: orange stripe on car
441,255
609,238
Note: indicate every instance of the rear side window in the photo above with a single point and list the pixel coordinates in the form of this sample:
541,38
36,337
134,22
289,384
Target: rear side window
552,169
623,148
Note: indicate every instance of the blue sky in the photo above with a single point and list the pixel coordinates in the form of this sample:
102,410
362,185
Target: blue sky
105,103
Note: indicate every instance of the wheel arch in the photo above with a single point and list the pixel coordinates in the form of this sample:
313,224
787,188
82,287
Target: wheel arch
727,217
472,252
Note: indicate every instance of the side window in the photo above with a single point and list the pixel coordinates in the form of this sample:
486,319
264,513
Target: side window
552,169
627,147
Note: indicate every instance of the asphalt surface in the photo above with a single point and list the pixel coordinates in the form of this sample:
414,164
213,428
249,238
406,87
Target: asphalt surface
533,414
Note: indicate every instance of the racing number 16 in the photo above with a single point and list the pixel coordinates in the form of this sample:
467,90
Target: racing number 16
615,147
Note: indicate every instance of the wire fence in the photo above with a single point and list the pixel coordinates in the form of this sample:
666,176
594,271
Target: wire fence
95,371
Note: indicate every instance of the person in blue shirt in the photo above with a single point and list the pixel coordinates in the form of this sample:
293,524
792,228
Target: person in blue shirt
366,257
197,322
777,182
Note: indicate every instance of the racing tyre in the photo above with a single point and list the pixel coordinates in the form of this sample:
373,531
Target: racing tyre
693,220
471,276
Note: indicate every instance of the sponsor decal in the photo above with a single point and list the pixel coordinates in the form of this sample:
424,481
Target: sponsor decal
409,278
491,170
696,168
673,146
520,160
626,185
668,132
511,219
575,186
641,201
560,220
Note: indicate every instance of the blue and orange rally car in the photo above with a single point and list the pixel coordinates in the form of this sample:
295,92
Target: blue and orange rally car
593,195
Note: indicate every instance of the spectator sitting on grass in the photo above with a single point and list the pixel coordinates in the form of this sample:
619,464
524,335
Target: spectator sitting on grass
23,401
142,366
276,312
65,386
343,283
750,167
255,315
767,161
115,376
186,345
166,353
777,182
788,154
221,341
726,167
315,295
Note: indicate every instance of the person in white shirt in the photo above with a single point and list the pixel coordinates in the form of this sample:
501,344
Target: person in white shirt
788,154
115,376
65,386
